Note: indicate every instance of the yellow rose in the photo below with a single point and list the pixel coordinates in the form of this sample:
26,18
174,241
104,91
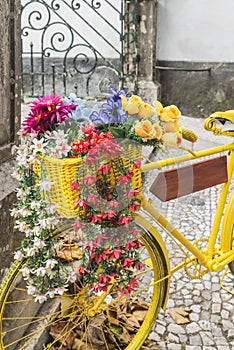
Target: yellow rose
145,111
132,104
145,129
172,126
158,131
158,106
172,139
168,113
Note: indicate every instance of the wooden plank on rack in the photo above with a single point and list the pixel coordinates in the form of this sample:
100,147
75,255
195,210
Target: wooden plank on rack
188,179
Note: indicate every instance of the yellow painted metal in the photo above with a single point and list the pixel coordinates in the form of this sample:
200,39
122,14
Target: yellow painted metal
228,219
149,227
93,310
210,123
184,158
227,226
220,209
224,259
222,281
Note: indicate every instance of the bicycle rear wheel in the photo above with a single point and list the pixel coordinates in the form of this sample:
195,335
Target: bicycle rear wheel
80,320
231,264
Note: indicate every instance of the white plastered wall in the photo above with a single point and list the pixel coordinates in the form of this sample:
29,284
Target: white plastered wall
195,30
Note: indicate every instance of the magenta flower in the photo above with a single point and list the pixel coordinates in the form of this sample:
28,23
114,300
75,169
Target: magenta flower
46,112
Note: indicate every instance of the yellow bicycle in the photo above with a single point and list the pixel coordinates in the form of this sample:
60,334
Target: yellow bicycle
80,320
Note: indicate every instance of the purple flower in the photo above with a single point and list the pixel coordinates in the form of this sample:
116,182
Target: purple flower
111,111
101,117
115,96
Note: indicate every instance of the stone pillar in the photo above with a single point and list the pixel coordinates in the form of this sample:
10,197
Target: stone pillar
148,89
10,12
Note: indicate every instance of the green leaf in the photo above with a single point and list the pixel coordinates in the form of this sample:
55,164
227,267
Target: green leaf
130,122
117,132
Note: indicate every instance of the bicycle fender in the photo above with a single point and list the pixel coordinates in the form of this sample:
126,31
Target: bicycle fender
149,227
227,226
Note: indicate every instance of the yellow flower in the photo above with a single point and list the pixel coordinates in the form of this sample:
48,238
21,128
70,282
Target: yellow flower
172,126
148,130
145,129
168,113
158,106
172,139
132,104
158,131
145,111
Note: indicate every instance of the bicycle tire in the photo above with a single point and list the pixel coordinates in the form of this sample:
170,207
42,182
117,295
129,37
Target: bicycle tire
33,329
231,264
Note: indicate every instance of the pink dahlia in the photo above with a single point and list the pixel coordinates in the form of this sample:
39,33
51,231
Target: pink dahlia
46,112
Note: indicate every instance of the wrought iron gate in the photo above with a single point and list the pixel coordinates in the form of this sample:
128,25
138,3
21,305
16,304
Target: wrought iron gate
84,46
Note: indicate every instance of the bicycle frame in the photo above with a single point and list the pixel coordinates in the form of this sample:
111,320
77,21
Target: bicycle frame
214,258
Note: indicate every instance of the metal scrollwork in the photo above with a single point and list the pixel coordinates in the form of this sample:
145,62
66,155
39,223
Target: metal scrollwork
103,78
84,46
81,59
55,5
37,17
75,5
95,4
59,38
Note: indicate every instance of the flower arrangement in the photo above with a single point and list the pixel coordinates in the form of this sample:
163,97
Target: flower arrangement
105,190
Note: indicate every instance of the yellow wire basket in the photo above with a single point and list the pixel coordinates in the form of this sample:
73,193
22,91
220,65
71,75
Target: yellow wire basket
61,172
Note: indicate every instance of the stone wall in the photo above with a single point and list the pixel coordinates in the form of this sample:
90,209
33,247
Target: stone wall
10,239
148,88
9,122
198,89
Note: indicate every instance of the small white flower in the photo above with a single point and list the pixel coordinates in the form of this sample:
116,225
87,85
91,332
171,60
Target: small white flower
71,277
33,158
41,298
59,135
39,243
50,273
46,185
14,212
30,251
22,160
17,175
46,222
31,290
35,205
36,230
18,255
63,148
21,225
24,212
23,192
51,208
38,145
60,290
26,271
51,293
50,263
41,271
28,232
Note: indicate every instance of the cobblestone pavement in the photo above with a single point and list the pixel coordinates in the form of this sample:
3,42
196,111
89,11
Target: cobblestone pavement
212,308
